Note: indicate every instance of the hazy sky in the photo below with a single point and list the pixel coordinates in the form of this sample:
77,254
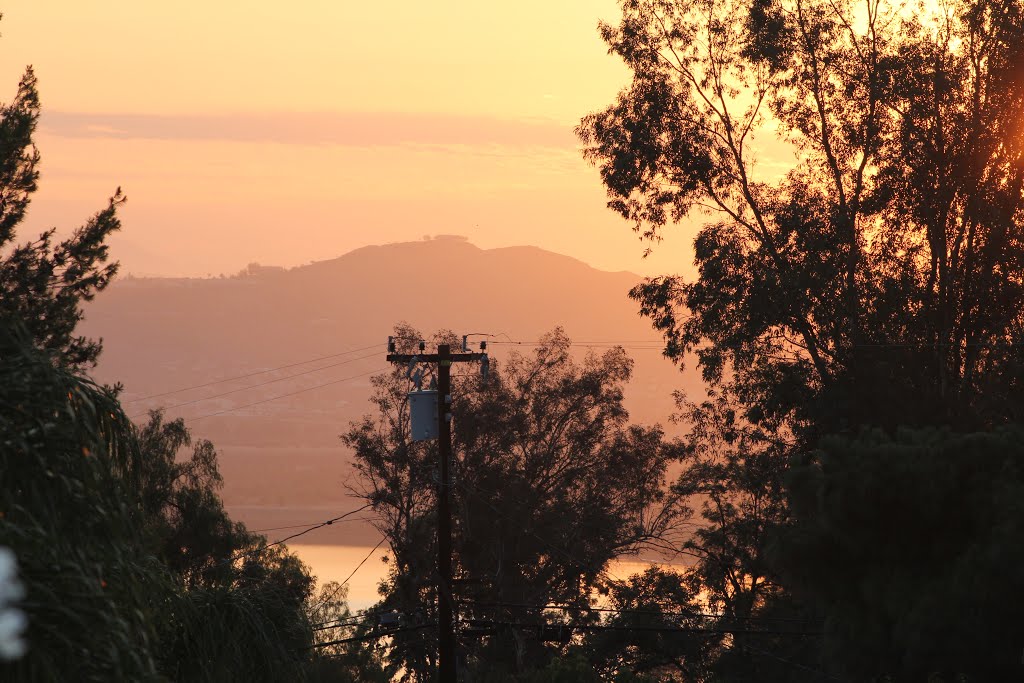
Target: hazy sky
289,132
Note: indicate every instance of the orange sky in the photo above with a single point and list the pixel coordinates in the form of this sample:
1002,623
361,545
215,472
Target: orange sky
289,132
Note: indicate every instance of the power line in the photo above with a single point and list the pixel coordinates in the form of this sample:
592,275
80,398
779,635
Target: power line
251,374
342,622
657,629
328,522
641,343
363,561
320,525
260,384
302,526
646,344
629,346
791,662
510,340
353,573
689,614
371,636
588,627
274,398
652,344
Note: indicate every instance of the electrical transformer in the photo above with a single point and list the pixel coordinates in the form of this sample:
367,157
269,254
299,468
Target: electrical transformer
423,412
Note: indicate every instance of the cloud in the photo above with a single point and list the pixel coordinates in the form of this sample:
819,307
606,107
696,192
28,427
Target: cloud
362,129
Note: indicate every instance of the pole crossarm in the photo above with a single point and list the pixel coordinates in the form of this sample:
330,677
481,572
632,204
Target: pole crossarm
434,358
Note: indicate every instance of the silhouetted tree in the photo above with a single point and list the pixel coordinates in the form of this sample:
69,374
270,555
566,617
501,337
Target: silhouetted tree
912,545
44,281
240,610
551,483
133,569
878,280
93,593
656,599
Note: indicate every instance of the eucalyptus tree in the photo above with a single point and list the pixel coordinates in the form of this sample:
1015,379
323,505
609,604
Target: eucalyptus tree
552,482
854,176
912,543
860,166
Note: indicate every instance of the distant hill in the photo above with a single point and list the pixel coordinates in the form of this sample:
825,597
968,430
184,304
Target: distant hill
282,458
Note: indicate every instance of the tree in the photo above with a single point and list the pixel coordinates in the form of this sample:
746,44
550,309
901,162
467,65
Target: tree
735,473
132,569
875,281
551,483
633,644
878,280
43,282
239,611
912,544
92,590
346,649
180,501
742,620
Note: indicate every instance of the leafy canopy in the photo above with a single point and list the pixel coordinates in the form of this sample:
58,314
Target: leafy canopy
878,278
551,483
44,281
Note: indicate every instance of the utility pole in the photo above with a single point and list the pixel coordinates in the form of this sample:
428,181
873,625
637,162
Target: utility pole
445,599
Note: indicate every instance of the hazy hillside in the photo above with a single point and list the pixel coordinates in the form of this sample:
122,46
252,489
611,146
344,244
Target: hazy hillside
282,459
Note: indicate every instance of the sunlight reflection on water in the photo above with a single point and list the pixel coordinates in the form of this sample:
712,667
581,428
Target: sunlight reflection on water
335,562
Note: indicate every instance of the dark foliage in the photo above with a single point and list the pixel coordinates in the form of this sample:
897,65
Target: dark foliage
911,545
93,592
655,599
132,568
552,482
877,282
239,609
44,281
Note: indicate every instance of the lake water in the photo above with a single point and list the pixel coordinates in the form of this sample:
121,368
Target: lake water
336,562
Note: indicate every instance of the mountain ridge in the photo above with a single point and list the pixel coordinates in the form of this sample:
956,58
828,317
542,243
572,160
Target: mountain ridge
166,334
